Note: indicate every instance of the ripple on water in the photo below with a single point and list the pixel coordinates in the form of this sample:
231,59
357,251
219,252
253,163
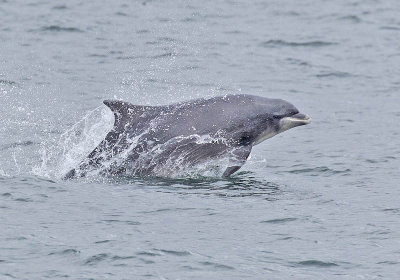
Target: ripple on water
283,43
146,261
318,171
103,241
118,258
148,254
142,31
21,199
351,18
66,252
334,74
60,7
18,144
167,210
57,28
121,14
242,184
392,210
299,62
395,28
19,238
132,223
317,263
279,221
163,55
7,82
174,253
93,260
217,266
9,275
389,262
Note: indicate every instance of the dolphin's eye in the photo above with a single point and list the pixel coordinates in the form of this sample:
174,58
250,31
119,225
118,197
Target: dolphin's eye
276,116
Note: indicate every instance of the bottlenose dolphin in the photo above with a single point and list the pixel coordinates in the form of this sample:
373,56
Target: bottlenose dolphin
160,140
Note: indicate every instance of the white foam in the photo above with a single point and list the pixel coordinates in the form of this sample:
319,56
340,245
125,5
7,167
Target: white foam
60,155
3,174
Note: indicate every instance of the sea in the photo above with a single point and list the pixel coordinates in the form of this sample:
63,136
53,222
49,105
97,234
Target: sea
320,201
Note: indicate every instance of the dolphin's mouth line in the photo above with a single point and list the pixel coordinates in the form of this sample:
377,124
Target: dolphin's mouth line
298,119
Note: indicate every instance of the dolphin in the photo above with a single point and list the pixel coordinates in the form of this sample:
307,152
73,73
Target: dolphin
161,140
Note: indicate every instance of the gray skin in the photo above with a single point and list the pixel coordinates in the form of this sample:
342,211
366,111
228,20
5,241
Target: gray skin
149,138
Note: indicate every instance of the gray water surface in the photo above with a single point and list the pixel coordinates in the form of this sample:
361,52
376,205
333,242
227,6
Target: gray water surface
317,202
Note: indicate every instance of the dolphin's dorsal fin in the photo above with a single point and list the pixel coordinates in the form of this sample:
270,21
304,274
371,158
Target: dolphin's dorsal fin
126,112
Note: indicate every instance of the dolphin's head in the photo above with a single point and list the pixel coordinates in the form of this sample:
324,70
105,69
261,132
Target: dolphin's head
265,118
278,116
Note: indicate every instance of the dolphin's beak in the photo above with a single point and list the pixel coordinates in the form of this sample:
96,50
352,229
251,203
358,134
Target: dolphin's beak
293,121
299,119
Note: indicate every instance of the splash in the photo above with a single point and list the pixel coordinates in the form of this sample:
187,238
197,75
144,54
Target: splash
3,173
60,155
72,147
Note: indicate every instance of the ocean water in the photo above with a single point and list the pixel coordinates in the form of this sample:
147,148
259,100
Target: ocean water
316,202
